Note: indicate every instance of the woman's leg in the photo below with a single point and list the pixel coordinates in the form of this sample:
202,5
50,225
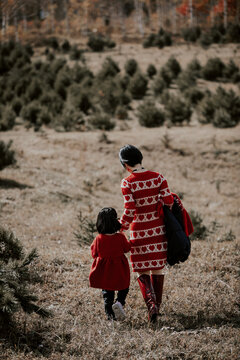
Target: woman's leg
108,297
148,294
157,278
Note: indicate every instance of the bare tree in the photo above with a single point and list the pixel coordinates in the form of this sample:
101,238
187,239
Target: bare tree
5,8
190,4
121,18
225,13
66,7
139,18
159,12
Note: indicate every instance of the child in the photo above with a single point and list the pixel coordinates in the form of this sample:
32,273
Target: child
110,268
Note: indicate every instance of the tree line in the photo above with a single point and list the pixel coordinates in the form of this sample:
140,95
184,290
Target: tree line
78,18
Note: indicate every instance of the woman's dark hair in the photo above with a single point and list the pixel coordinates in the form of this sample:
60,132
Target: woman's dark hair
107,222
130,155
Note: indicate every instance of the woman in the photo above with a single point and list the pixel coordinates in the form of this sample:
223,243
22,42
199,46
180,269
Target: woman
145,192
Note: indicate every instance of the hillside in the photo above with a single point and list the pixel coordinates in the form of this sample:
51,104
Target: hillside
59,174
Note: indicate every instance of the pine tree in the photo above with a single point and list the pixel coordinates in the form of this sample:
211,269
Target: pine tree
7,156
15,279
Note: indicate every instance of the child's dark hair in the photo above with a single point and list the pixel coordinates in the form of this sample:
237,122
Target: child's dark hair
107,222
130,155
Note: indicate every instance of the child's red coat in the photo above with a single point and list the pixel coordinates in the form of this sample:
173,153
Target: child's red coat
110,268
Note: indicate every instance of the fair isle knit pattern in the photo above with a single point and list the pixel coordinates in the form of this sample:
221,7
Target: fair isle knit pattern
144,193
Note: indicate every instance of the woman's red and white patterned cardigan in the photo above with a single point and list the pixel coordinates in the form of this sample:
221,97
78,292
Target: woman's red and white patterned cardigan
144,194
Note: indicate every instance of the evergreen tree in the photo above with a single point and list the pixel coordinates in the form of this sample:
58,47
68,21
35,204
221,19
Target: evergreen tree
7,156
15,279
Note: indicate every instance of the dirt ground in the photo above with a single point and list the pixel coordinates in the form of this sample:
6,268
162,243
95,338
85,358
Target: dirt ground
59,174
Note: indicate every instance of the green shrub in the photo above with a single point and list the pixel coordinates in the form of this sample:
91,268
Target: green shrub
20,63
4,64
228,103
110,94
19,53
213,69
101,121
165,96
60,88
71,120
86,230
216,35
138,85
206,110
230,70
28,48
124,81
124,98
159,85
17,105
121,112
128,7
34,91
191,34
44,116
206,40
109,43
31,111
96,42
233,33
52,101
8,95
178,110
50,56
131,67
166,75
200,230
161,31
80,98
194,95
236,78
22,85
16,276
109,69
149,115
222,119
194,67
150,40
185,80
167,39
7,156
159,41
66,46
173,65
151,70
37,65
75,53
57,65
7,118
79,73
52,42
64,77
18,77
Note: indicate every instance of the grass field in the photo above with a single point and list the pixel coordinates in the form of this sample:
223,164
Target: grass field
59,174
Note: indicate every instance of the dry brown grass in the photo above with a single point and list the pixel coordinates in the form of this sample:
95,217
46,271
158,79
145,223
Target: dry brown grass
200,318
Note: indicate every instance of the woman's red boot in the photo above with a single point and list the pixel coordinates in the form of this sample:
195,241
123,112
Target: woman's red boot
148,294
157,283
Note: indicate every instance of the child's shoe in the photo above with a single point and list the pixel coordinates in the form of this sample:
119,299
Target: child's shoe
118,311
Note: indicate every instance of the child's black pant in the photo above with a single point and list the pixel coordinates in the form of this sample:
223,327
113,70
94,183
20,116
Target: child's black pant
108,297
